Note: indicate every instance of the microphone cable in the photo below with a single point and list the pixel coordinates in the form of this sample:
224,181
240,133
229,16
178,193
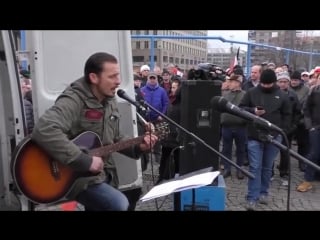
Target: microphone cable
169,170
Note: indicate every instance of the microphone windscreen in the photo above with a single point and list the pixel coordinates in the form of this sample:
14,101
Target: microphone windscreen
121,92
219,103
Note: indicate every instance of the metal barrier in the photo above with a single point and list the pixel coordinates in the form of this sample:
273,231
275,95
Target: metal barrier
249,44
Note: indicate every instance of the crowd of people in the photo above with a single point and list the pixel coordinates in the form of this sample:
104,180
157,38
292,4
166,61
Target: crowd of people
287,98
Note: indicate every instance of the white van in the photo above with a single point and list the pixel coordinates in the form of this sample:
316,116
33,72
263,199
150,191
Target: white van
56,59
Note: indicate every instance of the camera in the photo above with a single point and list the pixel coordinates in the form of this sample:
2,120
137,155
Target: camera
207,71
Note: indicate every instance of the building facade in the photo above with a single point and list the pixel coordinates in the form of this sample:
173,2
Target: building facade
185,53
290,39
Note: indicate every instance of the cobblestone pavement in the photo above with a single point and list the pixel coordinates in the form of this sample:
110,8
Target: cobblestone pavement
236,190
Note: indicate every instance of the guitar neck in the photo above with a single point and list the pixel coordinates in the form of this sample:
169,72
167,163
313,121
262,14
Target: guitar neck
102,151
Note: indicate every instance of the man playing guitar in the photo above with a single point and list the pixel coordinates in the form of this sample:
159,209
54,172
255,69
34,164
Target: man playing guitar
89,104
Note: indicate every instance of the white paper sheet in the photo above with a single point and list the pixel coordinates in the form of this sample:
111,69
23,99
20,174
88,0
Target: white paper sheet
195,181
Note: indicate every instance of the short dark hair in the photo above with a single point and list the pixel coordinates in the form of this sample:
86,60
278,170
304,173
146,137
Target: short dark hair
95,62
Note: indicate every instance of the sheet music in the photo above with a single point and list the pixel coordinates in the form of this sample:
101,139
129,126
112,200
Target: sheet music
195,181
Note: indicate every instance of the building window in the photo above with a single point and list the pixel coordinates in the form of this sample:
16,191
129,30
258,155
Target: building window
138,32
146,44
138,59
138,45
177,60
146,32
154,58
170,59
165,59
155,44
182,60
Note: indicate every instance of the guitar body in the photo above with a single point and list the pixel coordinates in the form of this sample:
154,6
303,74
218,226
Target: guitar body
42,179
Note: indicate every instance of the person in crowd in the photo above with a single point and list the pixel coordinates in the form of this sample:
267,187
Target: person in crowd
233,128
269,102
158,98
169,163
283,81
311,112
301,133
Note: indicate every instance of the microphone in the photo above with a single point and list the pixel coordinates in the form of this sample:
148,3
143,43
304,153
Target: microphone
121,93
223,105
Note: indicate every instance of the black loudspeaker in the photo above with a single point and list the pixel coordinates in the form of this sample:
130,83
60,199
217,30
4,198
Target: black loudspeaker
198,117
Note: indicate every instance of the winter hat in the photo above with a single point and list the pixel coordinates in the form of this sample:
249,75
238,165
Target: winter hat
144,67
296,75
283,75
268,76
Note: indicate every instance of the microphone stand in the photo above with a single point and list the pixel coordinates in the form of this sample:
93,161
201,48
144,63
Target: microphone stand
248,174
270,138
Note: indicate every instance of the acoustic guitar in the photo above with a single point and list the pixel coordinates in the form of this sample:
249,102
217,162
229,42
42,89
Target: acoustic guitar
44,180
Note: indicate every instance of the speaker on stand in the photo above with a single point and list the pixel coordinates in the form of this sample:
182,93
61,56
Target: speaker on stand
198,117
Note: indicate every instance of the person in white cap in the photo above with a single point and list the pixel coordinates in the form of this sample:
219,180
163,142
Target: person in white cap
144,71
305,77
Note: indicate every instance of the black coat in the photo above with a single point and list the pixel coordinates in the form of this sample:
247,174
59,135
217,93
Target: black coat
174,113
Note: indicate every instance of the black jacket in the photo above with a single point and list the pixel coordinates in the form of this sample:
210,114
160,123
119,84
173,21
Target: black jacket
174,112
276,104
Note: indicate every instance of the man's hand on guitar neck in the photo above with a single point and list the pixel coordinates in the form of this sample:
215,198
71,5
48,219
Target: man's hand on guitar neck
149,141
149,127
96,165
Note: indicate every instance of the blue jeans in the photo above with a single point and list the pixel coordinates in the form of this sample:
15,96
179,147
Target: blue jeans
103,197
239,135
314,155
261,158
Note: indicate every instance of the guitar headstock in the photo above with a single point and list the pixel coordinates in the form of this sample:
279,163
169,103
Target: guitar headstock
161,130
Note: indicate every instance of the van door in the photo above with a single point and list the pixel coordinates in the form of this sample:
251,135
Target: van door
12,122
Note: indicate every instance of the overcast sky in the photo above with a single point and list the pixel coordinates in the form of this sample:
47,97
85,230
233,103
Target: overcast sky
237,35
240,35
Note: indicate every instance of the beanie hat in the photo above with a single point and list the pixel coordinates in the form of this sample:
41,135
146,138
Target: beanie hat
296,75
144,67
268,76
283,75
